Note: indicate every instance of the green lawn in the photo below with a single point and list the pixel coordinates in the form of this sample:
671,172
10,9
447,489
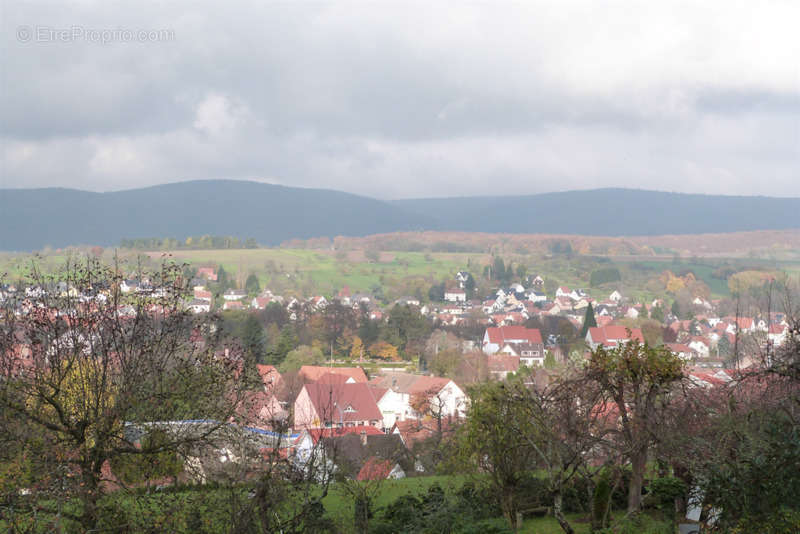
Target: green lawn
338,505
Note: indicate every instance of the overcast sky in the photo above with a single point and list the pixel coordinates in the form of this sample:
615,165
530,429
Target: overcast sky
404,100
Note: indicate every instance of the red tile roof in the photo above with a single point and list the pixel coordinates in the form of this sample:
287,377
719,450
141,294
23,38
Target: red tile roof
344,402
333,378
269,375
502,334
312,373
375,469
428,384
614,333
502,363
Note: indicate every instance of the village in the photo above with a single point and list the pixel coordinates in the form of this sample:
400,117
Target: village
400,401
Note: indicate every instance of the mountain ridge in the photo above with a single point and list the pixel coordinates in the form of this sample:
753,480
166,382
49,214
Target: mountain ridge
33,218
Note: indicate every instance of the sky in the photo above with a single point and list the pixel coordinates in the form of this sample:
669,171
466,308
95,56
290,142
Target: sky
405,99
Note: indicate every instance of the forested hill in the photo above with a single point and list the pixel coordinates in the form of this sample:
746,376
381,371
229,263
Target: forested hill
610,212
33,218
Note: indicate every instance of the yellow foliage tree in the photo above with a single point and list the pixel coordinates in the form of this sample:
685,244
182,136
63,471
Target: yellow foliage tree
675,284
356,348
384,351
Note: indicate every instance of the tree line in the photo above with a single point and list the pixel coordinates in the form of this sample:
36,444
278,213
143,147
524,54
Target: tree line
201,242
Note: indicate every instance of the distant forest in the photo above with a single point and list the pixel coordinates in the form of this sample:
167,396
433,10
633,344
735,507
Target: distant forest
202,242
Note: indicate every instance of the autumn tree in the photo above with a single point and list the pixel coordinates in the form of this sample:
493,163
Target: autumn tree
85,366
356,349
566,426
384,351
499,449
639,380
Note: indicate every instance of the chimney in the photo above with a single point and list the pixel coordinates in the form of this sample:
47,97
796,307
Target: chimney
364,438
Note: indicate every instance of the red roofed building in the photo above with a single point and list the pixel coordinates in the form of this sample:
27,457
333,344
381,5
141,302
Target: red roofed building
270,376
259,303
612,336
312,373
336,405
209,273
377,469
202,294
496,338
399,395
500,365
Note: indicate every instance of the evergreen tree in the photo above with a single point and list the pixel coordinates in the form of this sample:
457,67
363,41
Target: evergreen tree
589,321
286,342
498,269
222,279
254,339
251,285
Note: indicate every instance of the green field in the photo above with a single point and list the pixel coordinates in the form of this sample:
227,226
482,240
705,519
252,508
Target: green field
324,272
309,272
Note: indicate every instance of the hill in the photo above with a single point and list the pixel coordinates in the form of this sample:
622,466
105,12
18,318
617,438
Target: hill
33,218
610,212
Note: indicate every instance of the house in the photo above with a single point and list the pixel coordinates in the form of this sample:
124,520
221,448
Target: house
455,295
632,313
319,302
564,291
616,296
537,296
234,294
496,338
209,273
201,294
564,303
700,345
407,301
682,351
261,409
612,336
126,286
362,454
233,305
200,306
413,431
403,394
500,365
259,303
377,469
777,334
344,296
312,373
462,277
270,377
336,405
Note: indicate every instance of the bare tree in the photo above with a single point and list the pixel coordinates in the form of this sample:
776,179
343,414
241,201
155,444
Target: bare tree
94,370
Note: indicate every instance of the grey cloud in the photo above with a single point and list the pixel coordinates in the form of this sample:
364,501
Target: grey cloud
407,100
